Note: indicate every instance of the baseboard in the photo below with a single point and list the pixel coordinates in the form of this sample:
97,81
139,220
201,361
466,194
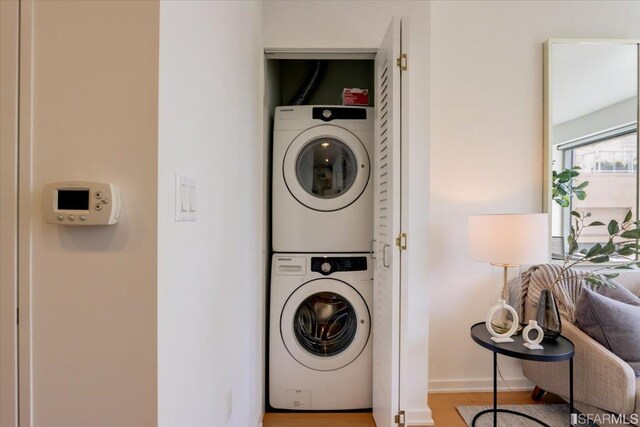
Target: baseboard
260,417
462,386
418,418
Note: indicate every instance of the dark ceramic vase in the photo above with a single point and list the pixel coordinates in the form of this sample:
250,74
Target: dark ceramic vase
548,316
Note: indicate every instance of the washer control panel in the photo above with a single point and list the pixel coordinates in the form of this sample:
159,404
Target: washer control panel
81,203
328,265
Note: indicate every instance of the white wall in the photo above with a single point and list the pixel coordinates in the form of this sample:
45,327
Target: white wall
362,24
486,115
210,308
92,289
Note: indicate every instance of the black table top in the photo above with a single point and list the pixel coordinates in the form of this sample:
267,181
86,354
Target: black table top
561,349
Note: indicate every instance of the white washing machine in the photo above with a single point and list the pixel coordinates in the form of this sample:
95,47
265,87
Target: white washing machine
320,351
322,189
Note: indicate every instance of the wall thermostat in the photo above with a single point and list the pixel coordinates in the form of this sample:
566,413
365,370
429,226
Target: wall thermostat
81,203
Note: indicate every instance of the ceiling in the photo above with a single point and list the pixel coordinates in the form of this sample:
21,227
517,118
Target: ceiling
588,77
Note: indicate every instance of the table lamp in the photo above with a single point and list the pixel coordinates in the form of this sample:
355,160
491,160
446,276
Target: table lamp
508,241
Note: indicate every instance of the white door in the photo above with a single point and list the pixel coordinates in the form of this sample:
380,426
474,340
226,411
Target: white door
386,325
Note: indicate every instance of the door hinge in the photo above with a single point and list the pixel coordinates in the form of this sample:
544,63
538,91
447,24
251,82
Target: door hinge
401,241
402,62
400,418
18,316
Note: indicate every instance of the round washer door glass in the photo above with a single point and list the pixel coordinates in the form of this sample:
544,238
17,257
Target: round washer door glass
325,324
326,168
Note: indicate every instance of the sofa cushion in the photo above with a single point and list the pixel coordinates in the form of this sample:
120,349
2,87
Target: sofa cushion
612,323
618,293
630,280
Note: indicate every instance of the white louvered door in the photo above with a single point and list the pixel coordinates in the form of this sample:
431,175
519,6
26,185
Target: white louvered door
386,325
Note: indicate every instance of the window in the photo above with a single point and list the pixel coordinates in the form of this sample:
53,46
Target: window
611,167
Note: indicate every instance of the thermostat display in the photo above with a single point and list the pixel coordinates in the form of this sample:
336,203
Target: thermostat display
81,203
73,200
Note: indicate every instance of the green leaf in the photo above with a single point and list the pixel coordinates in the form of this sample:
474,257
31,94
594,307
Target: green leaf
595,249
595,224
611,275
580,194
627,217
626,252
613,227
623,267
582,185
631,245
609,248
631,234
593,280
600,259
576,214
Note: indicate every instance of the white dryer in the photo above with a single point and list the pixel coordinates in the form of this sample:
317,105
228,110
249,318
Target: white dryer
322,189
320,351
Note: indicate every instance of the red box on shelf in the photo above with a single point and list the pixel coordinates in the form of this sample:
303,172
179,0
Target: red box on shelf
355,96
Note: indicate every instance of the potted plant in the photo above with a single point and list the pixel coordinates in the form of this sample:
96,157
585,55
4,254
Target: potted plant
621,247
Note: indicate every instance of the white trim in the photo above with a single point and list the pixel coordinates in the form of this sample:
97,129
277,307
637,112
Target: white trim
25,181
307,53
9,54
595,41
418,417
479,385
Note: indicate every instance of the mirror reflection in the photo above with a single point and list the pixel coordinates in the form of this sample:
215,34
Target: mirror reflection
592,137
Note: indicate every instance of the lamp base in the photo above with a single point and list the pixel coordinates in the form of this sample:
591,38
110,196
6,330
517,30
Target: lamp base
501,339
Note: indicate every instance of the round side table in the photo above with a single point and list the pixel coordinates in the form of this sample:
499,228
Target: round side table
559,350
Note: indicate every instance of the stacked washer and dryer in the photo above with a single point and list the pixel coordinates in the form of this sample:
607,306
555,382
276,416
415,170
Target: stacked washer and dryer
320,350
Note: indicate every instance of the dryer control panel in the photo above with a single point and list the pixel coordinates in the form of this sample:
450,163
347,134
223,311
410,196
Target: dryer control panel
328,265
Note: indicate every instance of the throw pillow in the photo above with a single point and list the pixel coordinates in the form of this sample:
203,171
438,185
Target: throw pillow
612,323
619,293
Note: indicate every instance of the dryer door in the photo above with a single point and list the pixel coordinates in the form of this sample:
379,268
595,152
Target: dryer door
326,168
325,324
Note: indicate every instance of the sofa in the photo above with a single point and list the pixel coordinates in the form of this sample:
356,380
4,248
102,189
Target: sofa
603,383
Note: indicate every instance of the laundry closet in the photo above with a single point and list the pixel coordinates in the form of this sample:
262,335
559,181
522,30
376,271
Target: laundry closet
333,306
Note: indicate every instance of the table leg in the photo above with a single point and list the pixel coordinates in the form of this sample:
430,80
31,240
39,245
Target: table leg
495,389
571,392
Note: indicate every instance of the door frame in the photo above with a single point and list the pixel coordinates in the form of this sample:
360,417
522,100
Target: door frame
9,116
25,206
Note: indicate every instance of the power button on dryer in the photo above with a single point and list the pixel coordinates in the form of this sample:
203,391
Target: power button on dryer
326,113
325,267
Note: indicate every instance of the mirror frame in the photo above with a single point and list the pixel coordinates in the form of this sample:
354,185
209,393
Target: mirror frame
548,131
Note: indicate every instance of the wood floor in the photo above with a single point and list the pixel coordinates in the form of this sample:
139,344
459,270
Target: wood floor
443,407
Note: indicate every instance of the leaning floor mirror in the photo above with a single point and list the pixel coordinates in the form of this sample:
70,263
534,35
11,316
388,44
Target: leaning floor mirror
591,140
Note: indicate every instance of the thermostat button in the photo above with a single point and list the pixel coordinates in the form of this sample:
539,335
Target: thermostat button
98,194
98,207
83,218
71,217
105,201
60,217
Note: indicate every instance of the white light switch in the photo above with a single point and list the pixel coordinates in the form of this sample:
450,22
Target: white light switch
185,198
192,198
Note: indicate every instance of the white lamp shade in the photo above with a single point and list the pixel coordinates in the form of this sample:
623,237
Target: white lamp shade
509,239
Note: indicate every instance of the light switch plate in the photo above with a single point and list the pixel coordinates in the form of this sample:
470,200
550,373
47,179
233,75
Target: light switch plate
185,199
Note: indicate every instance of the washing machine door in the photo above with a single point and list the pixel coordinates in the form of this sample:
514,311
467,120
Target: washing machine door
325,324
326,168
